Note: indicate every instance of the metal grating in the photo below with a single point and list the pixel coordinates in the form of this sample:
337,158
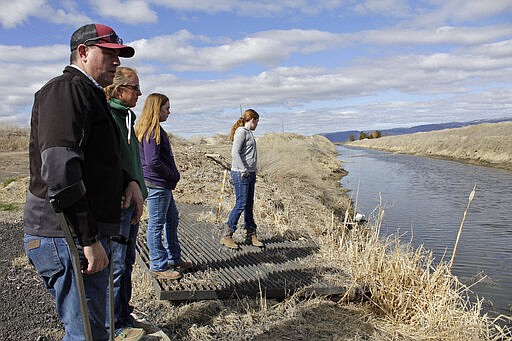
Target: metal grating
276,271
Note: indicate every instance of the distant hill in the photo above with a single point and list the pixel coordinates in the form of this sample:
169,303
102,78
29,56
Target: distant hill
488,144
344,136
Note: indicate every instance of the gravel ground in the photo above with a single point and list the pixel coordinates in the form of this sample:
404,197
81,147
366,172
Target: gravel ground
28,311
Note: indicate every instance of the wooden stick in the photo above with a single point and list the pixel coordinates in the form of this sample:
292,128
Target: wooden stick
221,193
471,196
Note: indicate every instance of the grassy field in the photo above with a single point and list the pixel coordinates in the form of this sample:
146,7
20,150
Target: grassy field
298,192
13,139
488,144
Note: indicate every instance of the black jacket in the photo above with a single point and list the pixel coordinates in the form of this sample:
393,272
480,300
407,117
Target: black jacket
74,138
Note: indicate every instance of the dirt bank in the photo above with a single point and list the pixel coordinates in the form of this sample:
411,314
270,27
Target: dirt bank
488,144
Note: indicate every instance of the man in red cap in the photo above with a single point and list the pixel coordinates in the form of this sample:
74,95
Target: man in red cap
75,161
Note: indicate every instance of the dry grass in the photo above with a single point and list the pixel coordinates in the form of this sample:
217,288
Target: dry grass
298,173
416,298
13,138
21,262
12,199
487,144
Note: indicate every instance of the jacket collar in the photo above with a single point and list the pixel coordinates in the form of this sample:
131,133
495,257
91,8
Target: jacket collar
117,104
75,67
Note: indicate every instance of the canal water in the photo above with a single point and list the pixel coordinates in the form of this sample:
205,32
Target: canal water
424,200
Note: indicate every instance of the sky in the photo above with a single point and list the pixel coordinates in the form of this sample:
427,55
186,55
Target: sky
306,67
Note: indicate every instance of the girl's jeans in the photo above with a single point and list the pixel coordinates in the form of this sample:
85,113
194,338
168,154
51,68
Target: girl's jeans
244,191
163,220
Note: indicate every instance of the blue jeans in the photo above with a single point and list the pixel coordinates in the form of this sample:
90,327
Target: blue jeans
163,220
124,253
244,191
51,258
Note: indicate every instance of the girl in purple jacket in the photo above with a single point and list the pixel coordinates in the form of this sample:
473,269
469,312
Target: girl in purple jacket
161,176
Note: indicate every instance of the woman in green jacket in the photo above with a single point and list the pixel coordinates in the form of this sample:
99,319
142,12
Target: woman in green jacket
122,95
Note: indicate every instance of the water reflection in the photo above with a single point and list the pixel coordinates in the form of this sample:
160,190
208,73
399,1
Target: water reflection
424,199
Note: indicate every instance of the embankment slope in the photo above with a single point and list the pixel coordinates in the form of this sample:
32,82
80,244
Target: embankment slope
487,144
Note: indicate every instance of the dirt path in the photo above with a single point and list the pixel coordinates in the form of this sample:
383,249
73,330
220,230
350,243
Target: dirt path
13,165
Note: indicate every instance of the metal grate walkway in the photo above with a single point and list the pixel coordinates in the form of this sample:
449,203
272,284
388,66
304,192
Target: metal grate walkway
275,271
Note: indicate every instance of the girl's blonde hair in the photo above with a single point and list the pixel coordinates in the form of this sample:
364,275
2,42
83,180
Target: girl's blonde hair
149,122
248,115
120,78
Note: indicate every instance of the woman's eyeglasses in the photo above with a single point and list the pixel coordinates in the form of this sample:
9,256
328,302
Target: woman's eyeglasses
112,37
133,87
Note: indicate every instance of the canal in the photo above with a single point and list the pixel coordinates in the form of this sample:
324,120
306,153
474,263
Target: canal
424,200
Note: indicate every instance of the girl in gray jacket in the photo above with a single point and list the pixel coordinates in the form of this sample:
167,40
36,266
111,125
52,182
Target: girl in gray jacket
243,172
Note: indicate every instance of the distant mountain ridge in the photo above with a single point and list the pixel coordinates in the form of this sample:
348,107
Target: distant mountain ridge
344,136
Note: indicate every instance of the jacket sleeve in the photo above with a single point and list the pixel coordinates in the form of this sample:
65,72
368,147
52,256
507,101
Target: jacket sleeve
62,134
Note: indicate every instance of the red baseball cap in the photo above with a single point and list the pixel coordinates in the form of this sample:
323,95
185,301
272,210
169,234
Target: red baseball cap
100,35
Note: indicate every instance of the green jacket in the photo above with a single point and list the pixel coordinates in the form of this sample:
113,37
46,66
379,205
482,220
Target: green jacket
130,157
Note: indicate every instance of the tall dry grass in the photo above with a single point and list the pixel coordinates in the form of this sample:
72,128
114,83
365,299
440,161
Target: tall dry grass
414,297
299,173
13,138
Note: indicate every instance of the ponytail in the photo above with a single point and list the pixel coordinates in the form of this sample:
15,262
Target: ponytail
248,115
240,122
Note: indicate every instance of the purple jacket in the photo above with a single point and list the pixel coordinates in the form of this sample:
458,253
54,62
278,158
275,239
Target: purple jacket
158,162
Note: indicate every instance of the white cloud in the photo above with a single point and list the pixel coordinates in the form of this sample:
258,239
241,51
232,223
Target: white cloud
19,81
61,16
438,35
500,49
130,12
262,8
44,54
460,11
265,48
14,13
395,8
297,88
197,53
459,73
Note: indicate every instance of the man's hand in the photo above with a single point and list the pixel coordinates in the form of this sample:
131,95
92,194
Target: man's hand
133,196
96,256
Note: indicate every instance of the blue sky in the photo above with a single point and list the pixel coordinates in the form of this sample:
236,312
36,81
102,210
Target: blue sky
306,66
